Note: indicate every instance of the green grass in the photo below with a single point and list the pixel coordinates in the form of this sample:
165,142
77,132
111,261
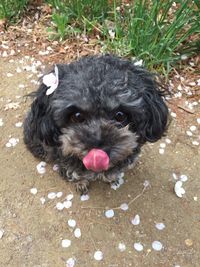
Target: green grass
11,9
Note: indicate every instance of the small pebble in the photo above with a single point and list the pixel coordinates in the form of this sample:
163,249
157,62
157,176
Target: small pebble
109,213
41,167
160,226
193,128
71,223
70,262
66,243
138,246
84,197
98,255
33,191
136,220
77,233
122,247
124,206
67,204
59,206
157,245
51,195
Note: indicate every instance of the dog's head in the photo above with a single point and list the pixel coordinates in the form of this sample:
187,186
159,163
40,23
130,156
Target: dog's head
102,109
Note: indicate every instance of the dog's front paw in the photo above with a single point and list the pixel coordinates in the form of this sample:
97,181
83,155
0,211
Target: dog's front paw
82,186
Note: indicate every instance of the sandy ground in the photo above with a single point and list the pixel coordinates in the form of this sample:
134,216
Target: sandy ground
32,233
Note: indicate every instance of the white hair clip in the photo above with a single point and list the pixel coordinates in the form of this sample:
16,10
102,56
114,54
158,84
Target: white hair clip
51,80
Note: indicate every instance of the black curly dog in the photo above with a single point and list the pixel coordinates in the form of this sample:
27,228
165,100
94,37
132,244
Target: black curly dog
94,124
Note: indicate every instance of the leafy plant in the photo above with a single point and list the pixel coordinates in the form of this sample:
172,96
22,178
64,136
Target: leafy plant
11,9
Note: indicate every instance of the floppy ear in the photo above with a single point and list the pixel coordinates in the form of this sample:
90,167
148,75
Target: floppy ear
150,115
40,119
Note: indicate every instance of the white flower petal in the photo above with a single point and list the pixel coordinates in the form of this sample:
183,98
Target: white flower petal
59,206
77,233
33,191
71,223
160,226
136,220
109,213
67,204
70,262
51,195
98,255
84,197
122,247
66,243
41,167
157,245
138,246
124,206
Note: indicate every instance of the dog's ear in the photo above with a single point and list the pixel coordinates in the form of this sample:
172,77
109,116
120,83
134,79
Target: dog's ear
41,120
150,115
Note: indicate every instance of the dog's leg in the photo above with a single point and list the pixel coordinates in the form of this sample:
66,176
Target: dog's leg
82,186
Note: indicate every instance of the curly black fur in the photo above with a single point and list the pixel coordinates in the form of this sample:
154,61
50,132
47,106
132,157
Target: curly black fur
98,87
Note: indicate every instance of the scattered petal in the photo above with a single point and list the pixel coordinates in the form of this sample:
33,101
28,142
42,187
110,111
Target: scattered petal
98,255
146,184
59,194
67,204
179,189
173,114
42,200
12,142
160,226
77,233
161,150
168,141
109,213
183,178
162,145
55,167
193,128
70,197
195,143
18,124
189,133
124,206
41,167
122,247
136,220
66,243
70,262
198,120
59,206
33,191
157,245
84,197
1,233
51,80
138,246
71,223
51,195
1,122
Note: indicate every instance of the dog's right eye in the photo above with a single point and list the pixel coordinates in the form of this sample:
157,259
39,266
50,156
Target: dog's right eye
77,117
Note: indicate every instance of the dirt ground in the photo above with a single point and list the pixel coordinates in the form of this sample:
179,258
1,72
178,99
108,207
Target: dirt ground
31,233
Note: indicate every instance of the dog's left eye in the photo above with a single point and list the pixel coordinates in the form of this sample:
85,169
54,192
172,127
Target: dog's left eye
77,117
120,116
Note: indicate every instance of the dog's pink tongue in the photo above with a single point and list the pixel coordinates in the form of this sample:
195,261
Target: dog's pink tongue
96,160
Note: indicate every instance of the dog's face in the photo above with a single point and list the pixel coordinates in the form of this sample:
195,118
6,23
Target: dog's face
102,104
